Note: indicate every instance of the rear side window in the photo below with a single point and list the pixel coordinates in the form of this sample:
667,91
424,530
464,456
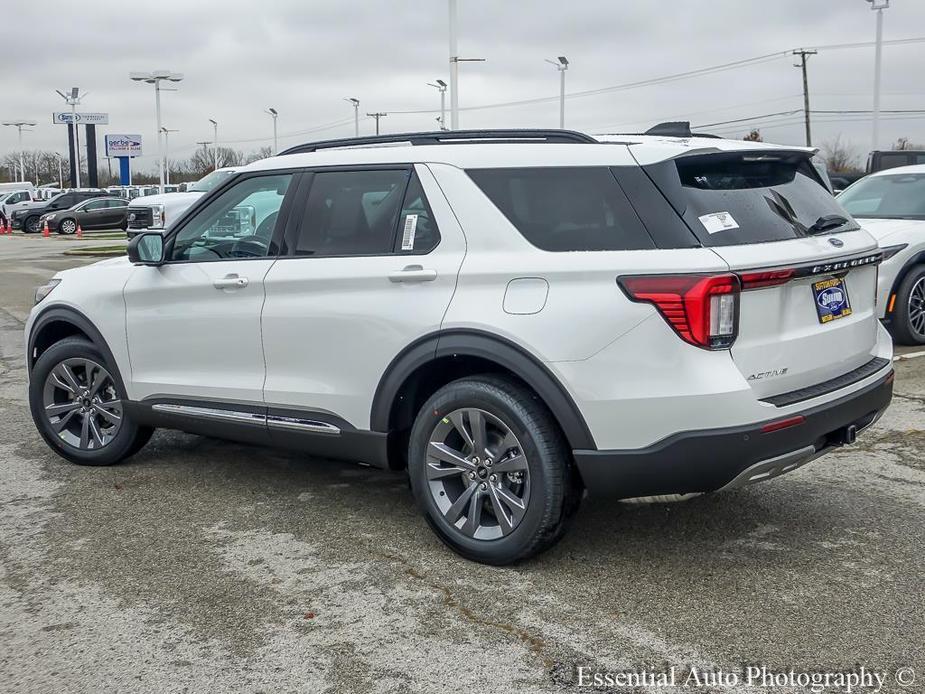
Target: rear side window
565,208
417,230
734,199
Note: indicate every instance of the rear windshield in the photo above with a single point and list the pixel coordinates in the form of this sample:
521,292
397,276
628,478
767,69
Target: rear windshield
896,196
565,208
734,199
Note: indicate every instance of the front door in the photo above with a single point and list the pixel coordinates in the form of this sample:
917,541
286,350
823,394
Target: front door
193,323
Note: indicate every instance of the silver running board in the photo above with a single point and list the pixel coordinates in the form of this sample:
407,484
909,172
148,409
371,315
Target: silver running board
273,421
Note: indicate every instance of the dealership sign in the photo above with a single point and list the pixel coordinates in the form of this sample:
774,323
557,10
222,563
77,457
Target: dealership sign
81,118
123,145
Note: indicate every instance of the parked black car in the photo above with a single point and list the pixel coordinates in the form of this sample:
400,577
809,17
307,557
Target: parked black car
879,160
96,213
28,218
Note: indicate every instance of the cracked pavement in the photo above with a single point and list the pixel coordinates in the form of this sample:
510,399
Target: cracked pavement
201,565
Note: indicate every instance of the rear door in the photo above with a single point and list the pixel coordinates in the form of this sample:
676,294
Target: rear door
92,215
807,310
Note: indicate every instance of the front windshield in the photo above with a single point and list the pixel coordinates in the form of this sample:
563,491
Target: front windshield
209,182
895,196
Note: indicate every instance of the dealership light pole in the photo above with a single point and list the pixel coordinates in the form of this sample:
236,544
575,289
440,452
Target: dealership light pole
356,114
167,132
273,112
156,78
18,124
878,6
60,170
561,65
441,87
214,143
72,99
455,60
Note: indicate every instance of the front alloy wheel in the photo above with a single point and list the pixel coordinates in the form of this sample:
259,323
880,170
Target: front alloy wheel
917,308
477,474
81,404
68,226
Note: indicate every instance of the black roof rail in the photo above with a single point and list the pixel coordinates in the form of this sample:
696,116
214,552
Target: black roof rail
680,128
441,137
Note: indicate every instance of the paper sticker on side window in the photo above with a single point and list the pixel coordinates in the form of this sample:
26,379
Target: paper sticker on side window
407,236
718,221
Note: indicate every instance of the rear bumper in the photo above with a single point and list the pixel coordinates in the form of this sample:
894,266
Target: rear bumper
708,460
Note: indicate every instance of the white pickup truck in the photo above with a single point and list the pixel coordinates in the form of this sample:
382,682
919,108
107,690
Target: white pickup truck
157,211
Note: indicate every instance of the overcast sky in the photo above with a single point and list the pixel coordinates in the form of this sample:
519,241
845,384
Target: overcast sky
304,56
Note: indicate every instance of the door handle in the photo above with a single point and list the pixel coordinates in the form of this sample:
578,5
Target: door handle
413,273
231,281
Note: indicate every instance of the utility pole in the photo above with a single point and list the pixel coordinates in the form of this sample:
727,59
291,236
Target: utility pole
275,114
377,116
166,132
18,124
878,6
804,55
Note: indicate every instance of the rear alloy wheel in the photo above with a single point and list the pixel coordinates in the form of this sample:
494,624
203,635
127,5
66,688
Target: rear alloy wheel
78,408
31,225
908,322
490,470
67,226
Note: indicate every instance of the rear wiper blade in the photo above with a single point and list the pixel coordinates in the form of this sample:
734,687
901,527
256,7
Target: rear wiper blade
827,223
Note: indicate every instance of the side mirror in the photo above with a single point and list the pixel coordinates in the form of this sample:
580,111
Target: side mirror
146,249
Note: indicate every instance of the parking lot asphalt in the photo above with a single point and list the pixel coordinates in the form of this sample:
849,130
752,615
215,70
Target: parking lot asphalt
201,565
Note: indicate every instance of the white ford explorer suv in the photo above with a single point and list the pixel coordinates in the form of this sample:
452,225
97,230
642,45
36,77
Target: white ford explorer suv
512,317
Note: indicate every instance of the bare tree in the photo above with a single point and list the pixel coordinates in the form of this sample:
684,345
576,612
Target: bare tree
40,167
840,156
262,153
754,136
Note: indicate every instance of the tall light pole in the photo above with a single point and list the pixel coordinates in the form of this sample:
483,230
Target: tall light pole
455,60
273,112
878,6
72,99
18,124
156,78
60,170
214,143
167,132
441,87
561,65
356,114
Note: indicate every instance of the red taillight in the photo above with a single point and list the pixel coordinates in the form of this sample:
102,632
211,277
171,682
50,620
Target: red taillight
765,278
702,309
783,424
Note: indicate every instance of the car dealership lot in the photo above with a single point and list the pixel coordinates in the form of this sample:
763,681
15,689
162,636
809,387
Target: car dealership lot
203,564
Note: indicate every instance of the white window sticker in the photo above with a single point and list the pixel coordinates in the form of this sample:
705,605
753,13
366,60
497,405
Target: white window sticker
718,221
407,236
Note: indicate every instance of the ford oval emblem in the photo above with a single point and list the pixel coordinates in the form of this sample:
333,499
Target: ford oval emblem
838,243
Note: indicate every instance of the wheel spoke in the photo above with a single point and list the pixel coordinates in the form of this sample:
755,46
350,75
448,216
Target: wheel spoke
61,408
479,433
63,421
441,451
95,431
460,425
473,514
436,472
513,464
455,511
85,432
96,376
501,498
65,378
504,521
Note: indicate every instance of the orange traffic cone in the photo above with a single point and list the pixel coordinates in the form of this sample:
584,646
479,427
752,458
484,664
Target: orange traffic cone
3,227
80,232
46,232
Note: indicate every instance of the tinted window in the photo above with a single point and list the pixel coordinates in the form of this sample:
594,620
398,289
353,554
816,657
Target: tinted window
239,223
116,203
351,213
94,205
896,196
417,230
565,209
62,202
736,198
889,160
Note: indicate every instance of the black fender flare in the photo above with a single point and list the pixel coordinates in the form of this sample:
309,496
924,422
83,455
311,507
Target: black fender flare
501,351
66,314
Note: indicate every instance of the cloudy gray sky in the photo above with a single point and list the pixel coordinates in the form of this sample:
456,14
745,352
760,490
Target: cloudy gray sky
303,56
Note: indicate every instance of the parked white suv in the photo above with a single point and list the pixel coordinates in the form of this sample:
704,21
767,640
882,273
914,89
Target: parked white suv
511,316
891,205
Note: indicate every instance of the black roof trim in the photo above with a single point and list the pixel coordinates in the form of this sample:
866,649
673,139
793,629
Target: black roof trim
442,137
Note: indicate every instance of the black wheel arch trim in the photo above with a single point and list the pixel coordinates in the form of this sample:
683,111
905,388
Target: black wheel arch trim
484,345
67,314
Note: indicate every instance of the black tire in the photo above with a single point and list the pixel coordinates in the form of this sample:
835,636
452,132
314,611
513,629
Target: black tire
902,324
553,495
61,225
128,440
30,225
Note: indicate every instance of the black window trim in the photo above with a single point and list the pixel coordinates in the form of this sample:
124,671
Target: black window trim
295,219
281,220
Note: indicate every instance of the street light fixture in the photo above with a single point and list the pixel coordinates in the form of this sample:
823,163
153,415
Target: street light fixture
72,99
214,143
878,6
167,132
273,112
441,87
156,78
18,124
561,65
356,114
